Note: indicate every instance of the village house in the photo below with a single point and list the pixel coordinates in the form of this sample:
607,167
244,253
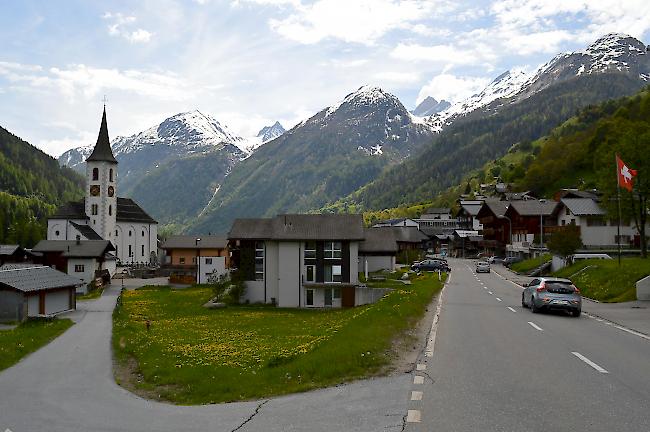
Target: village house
467,213
193,259
496,226
14,254
102,215
83,260
378,251
299,260
400,222
528,217
29,290
438,218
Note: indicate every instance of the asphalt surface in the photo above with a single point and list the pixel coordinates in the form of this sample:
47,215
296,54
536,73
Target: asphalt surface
498,367
68,386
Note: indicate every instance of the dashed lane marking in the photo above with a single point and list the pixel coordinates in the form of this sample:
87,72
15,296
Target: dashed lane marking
512,310
413,416
498,299
421,367
490,292
589,362
535,326
418,379
416,395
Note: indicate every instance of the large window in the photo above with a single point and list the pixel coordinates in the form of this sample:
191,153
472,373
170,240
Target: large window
333,250
310,250
310,273
259,260
333,274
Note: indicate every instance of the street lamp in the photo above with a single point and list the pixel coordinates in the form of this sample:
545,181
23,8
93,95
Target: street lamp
542,201
198,261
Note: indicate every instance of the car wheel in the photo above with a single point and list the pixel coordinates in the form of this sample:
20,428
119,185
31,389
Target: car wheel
523,302
576,313
533,307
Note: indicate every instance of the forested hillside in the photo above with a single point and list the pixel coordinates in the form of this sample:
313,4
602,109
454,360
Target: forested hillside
477,139
31,186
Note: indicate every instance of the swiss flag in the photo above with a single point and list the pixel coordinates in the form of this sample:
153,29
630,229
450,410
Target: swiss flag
625,174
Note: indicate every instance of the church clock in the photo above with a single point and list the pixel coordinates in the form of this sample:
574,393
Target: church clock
111,191
94,190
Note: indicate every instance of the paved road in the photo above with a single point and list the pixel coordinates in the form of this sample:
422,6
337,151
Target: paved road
499,367
68,386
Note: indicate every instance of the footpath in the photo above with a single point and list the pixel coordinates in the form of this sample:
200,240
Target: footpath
634,315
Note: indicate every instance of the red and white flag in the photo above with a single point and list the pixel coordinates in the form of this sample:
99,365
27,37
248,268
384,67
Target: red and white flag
625,174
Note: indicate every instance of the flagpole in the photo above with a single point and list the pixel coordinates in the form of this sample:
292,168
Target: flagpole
618,200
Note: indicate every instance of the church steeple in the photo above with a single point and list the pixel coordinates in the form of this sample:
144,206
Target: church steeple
102,151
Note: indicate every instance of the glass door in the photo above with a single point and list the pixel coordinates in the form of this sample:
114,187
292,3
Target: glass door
328,296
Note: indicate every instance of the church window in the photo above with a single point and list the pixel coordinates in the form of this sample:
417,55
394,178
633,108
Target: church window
129,233
56,233
142,233
116,233
110,210
110,174
95,174
94,209
142,250
130,251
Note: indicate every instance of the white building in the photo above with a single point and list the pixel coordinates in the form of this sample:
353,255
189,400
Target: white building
595,228
300,260
102,215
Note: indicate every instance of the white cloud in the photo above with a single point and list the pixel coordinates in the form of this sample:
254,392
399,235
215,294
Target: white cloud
452,88
59,146
475,54
122,25
361,21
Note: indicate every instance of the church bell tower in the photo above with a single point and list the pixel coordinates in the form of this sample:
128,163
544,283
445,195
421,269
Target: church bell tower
101,186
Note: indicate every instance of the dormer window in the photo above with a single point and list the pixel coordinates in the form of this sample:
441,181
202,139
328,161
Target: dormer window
95,174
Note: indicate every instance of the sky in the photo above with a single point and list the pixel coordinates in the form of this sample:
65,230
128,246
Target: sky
249,63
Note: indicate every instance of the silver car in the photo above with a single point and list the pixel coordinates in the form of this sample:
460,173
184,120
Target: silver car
552,294
482,267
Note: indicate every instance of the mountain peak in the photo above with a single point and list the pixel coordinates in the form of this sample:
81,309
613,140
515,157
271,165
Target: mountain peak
364,96
267,133
430,106
615,42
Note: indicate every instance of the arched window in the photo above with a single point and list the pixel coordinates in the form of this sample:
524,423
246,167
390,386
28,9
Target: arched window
95,174
110,210
110,175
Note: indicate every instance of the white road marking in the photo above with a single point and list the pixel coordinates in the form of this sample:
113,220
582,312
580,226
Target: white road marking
589,362
413,416
490,292
635,333
535,326
512,310
421,367
416,395
418,379
498,299
431,342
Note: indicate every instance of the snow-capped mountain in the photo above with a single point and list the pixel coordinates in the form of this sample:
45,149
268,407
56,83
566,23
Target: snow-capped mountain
430,106
180,136
612,53
267,133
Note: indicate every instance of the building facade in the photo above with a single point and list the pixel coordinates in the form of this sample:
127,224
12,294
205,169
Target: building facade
102,215
191,259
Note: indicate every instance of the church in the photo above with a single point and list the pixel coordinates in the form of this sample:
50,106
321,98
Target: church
102,215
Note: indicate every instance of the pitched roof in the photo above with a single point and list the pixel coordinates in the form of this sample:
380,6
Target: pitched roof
534,207
102,150
189,242
408,234
394,221
86,231
379,240
300,227
127,211
496,206
8,249
72,249
583,206
27,279
574,193
436,231
471,208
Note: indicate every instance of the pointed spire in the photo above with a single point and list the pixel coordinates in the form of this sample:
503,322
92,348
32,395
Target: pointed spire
102,150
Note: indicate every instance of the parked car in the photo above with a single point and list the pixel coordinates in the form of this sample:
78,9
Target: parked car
496,260
552,294
431,265
482,267
508,261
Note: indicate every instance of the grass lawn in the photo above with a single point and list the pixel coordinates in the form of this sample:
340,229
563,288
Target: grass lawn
27,338
92,295
530,264
605,281
193,355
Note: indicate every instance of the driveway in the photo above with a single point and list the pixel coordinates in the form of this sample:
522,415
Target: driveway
68,386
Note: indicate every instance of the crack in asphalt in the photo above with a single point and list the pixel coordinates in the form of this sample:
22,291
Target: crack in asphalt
257,410
404,422
428,376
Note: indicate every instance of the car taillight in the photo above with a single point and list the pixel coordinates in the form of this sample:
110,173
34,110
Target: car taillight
577,291
542,287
